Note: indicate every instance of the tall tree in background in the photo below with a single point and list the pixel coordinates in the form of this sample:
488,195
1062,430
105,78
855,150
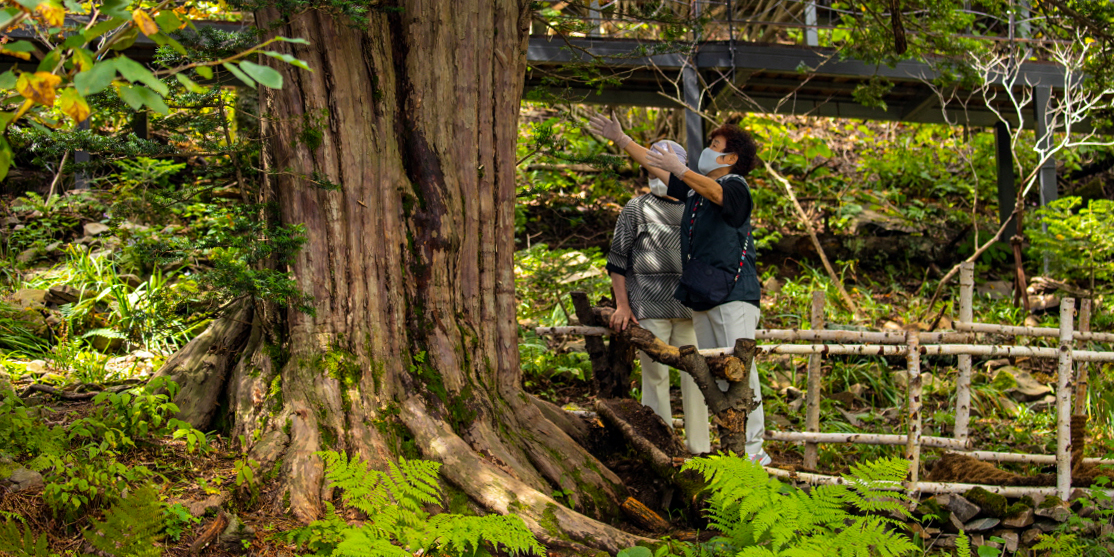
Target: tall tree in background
396,154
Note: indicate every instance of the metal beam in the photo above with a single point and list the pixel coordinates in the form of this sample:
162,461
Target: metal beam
812,35
918,106
625,53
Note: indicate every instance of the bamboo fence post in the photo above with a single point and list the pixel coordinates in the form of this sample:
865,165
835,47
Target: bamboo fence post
963,382
1084,367
913,444
812,392
1063,400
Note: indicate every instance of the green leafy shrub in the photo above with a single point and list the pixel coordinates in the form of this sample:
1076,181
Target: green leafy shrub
396,525
544,278
1079,241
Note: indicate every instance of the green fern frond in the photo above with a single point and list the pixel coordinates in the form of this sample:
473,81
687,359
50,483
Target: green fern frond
21,541
463,535
131,528
389,499
962,545
396,524
364,542
760,516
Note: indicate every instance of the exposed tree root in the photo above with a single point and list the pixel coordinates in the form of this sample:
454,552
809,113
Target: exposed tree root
201,367
573,426
501,492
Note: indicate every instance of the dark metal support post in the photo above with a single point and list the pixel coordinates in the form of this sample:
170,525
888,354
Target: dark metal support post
1007,188
694,125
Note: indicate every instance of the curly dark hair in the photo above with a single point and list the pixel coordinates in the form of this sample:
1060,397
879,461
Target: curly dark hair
741,143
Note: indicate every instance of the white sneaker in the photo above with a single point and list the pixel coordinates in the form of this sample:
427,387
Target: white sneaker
761,458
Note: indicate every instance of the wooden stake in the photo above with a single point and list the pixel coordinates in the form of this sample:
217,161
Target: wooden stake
913,445
963,382
1063,400
812,392
1084,369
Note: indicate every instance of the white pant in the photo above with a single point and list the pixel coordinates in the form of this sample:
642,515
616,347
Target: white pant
655,384
718,328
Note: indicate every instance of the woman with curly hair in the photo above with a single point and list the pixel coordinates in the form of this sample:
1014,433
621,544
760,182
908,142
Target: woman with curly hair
719,278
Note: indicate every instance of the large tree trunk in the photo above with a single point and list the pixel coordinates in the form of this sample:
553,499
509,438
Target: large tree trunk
414,343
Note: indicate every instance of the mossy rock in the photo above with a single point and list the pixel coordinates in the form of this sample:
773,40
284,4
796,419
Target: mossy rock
1050,501
991,504
929,508
1004,380
1015,510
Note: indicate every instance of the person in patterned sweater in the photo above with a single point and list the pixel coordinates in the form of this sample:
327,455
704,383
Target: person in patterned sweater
719,275
645,267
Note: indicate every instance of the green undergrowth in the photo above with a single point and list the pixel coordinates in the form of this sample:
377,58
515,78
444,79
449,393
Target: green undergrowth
86,463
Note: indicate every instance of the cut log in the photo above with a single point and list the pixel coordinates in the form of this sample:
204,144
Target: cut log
644,517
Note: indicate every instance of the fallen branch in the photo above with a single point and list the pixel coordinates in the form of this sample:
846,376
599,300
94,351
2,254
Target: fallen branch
726,367
659,461
210,534
67,395
815,241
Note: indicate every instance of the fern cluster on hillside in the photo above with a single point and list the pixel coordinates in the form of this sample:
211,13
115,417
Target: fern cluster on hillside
397,525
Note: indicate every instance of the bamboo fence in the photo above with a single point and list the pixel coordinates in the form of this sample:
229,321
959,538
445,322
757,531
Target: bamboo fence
913,345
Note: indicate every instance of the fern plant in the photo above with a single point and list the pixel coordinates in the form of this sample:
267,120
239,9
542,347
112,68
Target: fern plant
396,523
21,542
760,516
132,527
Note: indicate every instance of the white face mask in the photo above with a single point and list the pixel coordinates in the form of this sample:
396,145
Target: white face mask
708,162
658,188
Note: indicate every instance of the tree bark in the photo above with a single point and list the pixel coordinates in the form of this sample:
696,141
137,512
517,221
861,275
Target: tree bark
412,348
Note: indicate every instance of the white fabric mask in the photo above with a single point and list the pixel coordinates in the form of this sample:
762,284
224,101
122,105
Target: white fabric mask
658,188
708,162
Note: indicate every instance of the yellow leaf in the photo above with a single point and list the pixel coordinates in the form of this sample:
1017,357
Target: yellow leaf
145,23
52,13
74,105
23,55
38,87
82,60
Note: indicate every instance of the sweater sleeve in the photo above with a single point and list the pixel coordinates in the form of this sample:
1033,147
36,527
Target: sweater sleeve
618,259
